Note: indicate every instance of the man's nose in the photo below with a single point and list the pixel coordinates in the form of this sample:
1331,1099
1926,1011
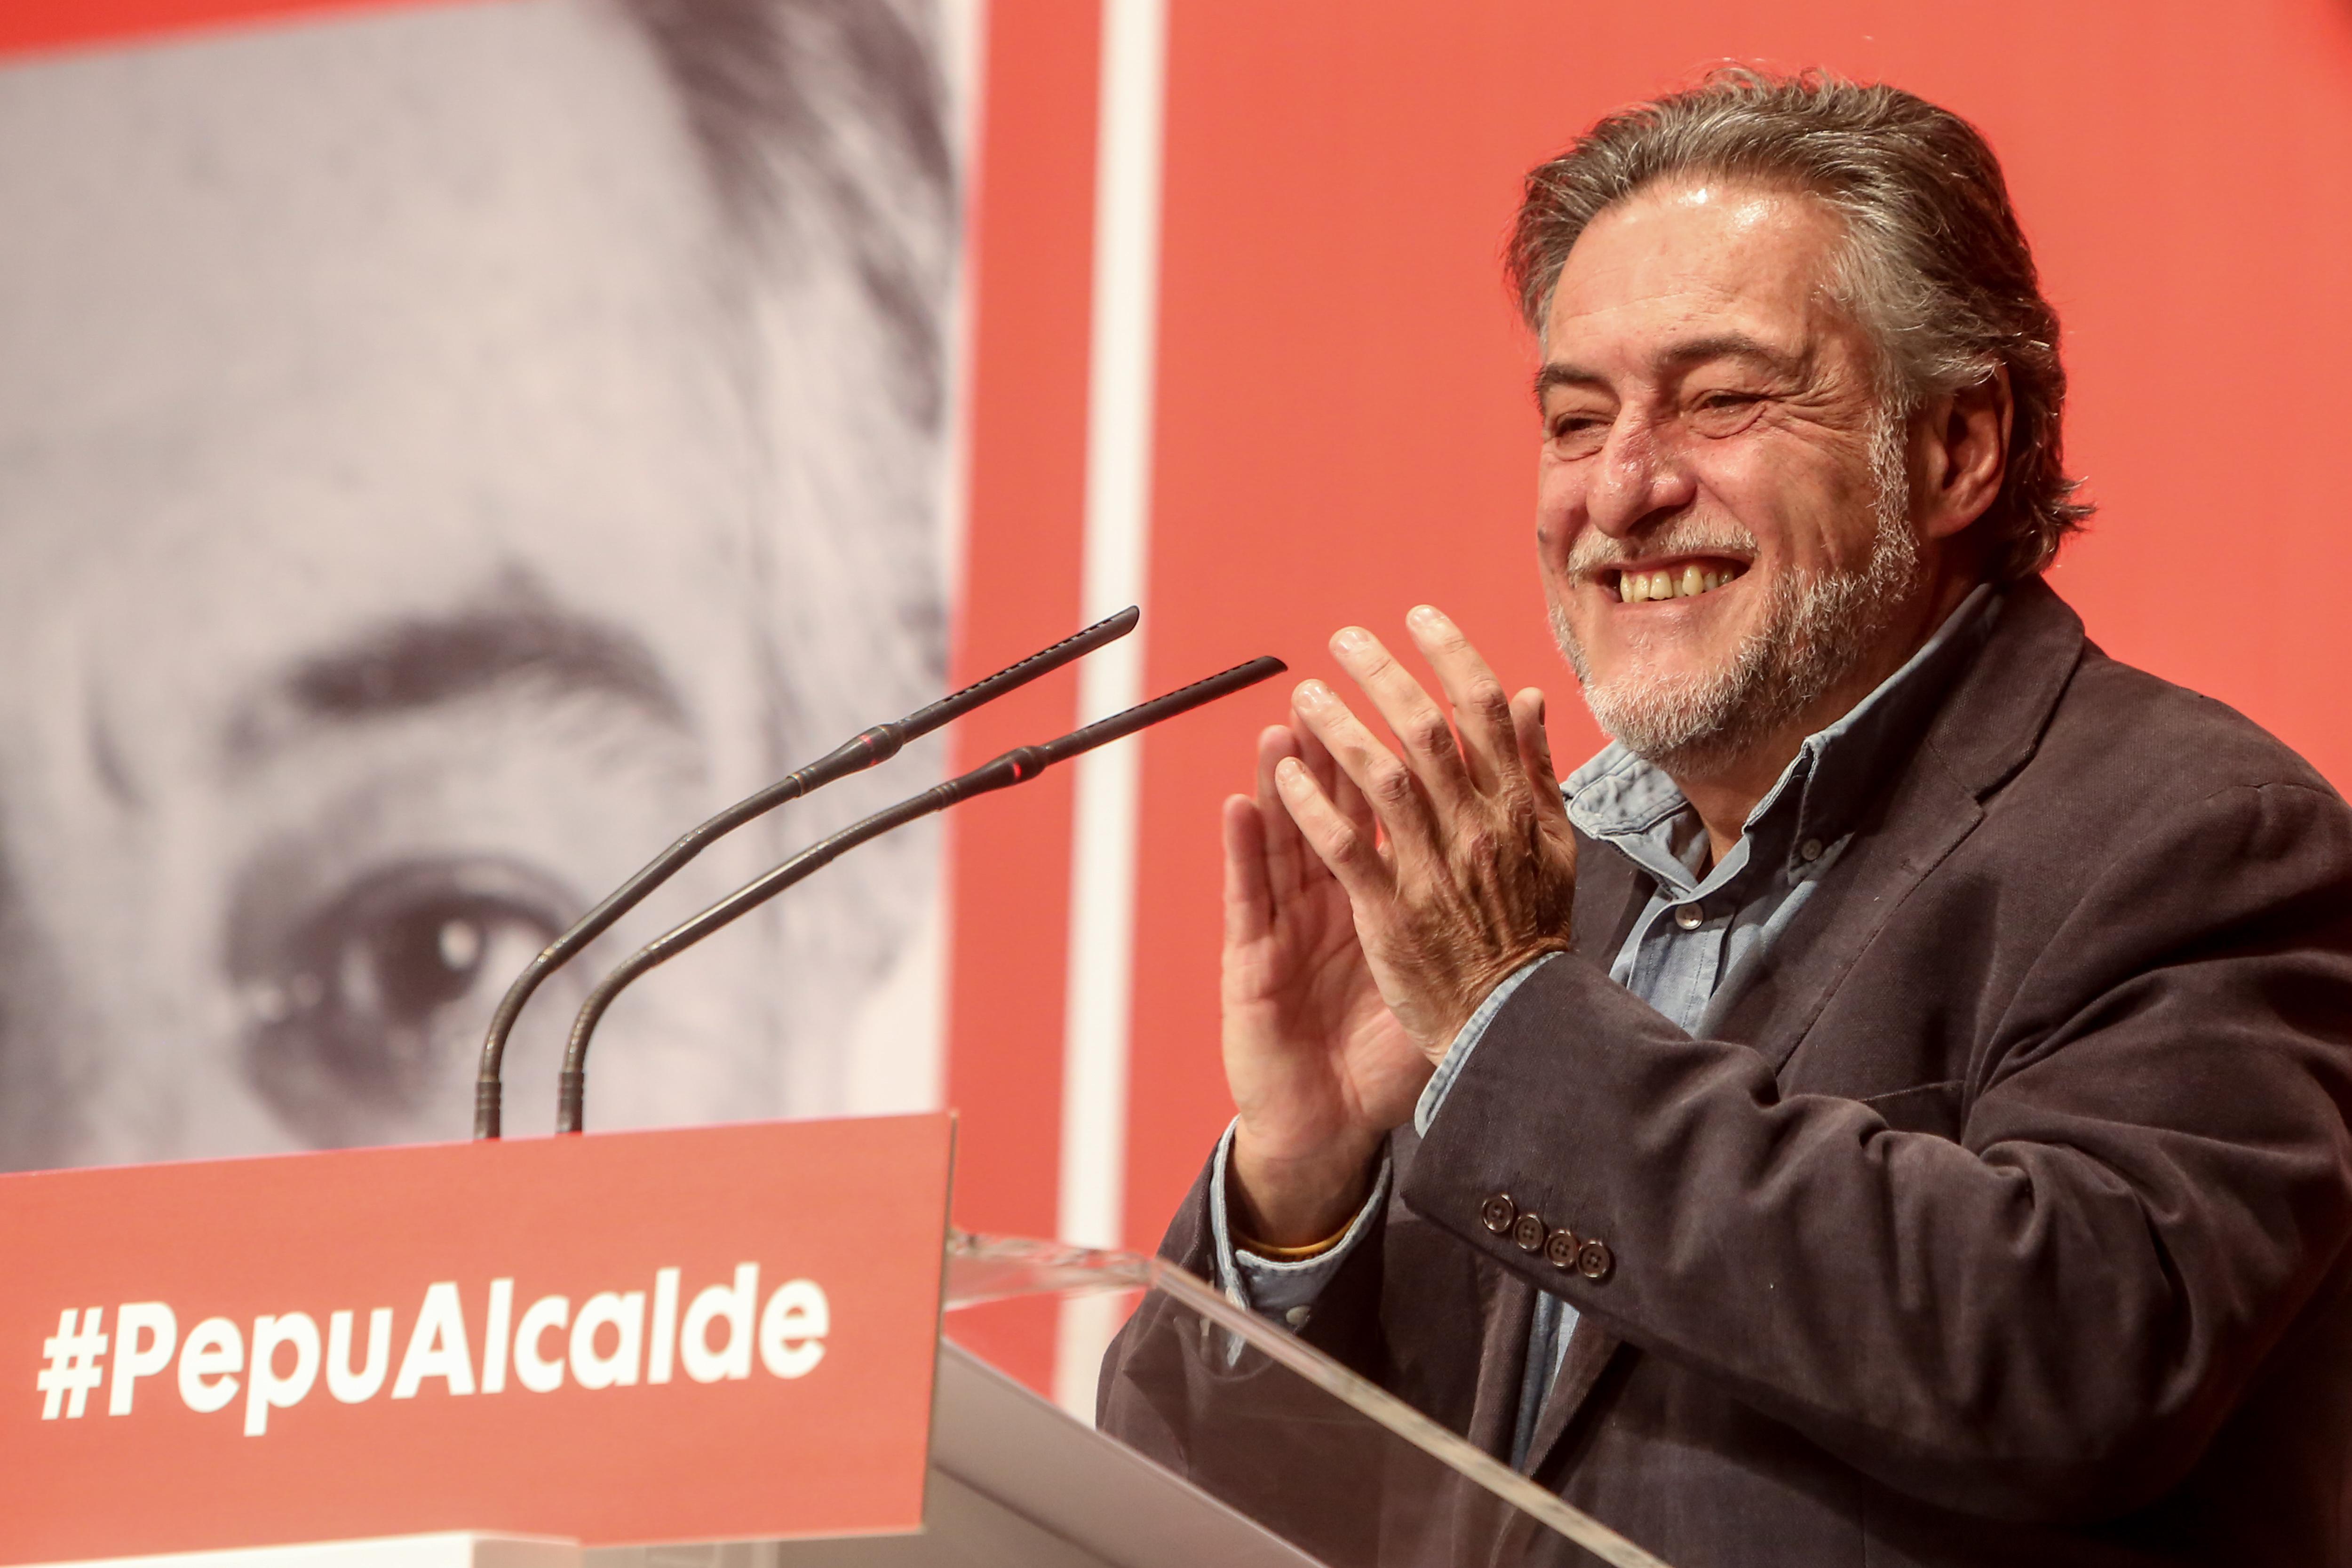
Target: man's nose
1641,477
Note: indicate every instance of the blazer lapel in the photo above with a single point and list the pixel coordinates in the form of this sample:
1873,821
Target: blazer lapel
1982,732
1510,1315
1610,893
1591,1348
1928,816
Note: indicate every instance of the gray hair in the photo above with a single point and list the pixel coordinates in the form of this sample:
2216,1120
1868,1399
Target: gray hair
1935,268
828,116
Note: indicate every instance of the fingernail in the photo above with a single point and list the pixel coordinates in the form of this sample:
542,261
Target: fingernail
1426,616
1288,770
1311,694
1351,638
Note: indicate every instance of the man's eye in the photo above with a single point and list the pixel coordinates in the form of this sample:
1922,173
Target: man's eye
1576,435
368,1009
1725,413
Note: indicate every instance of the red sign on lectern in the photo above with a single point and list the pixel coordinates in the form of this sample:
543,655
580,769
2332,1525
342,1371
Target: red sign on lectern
709,1335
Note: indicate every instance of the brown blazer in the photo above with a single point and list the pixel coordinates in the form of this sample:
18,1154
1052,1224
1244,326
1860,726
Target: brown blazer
2003,1223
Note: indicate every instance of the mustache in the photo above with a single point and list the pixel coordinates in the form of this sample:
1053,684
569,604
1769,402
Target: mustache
1682,536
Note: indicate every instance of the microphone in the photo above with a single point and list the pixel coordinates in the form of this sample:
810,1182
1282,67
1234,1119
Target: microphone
861,752
1016,766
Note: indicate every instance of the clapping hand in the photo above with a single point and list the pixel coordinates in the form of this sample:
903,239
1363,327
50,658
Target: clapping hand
1372,900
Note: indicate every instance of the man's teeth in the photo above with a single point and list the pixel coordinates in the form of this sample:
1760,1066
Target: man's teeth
1636,587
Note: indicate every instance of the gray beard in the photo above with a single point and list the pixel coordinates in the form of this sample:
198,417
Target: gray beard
1815,632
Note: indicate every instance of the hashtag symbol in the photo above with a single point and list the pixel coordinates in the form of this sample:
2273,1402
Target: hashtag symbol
73,1363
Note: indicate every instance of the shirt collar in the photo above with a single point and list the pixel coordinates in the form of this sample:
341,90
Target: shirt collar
1631,802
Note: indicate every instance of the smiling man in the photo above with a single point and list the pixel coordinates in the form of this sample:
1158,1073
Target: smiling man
1889,1107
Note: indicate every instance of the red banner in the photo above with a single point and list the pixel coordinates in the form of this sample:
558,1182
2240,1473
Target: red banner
711,1334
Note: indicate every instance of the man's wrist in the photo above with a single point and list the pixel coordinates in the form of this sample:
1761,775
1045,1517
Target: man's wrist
1274,1254
1299,1204
1478,992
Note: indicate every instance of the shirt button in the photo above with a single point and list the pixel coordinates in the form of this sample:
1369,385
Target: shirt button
1530,1233
1497,1213
1811,849
1594,1260
1561,1250
1689,916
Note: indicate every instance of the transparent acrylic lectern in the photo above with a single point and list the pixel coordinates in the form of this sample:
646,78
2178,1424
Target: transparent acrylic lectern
1301,1461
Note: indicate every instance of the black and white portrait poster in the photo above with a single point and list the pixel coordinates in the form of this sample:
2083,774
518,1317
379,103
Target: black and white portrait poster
446,451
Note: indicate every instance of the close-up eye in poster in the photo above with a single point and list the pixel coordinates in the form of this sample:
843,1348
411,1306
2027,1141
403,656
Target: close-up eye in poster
452,448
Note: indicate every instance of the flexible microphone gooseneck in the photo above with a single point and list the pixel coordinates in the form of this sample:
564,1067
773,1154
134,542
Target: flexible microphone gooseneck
875,746
1018,767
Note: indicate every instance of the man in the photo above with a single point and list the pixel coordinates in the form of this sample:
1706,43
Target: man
1889,1107
451,451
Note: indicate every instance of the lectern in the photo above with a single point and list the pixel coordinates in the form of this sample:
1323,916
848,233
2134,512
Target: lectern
709,1348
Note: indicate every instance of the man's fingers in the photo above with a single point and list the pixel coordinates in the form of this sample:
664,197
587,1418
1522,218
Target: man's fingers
1314,752
1249,899
1389,786
1482,711
1356,809
1351,855
1418,721
1286,859
1534,746
1334,779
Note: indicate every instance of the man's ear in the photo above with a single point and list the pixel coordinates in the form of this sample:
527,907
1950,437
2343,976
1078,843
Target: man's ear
1966,433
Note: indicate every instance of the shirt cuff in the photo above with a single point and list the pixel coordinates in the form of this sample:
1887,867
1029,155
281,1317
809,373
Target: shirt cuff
1449,1067
1285,1291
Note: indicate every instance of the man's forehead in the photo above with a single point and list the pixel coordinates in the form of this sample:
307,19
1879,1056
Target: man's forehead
290,205
1694,270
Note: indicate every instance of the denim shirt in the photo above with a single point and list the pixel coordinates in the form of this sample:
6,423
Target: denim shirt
1704,935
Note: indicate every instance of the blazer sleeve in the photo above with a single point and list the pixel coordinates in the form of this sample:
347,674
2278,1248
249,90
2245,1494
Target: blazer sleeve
2047,1319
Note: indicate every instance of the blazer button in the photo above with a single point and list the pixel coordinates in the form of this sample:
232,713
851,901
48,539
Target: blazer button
1594,1260
1529,1233
1561,1250
1497,1213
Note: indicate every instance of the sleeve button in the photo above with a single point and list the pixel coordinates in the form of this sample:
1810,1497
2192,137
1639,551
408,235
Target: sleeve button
1497,1213
1529,1233
1595,1261
1559,1251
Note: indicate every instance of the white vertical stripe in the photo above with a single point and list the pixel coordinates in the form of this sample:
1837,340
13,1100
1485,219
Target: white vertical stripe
1118,485
898,1060
1119,496
963,58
